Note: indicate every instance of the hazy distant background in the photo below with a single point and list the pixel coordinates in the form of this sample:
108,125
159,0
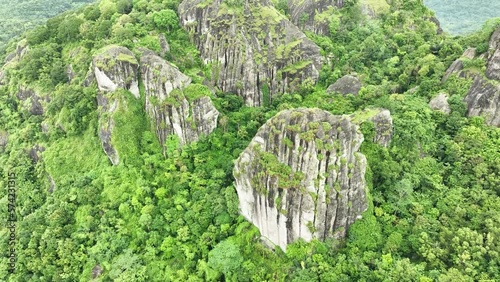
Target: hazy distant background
463,16
17,16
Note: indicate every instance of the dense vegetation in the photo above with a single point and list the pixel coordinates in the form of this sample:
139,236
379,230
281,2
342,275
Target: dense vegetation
19,16
435,191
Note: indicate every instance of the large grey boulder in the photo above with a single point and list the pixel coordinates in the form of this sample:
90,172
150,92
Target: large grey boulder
348,84
483,99
302,176
254,51
440,103
170,109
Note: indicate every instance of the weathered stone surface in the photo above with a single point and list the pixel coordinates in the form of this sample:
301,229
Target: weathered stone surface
302,176
31,101
483,99
169,108
165,48
313,15
253,49
383,127
348,84
495,40
435,21
493,67
108,106
470,53
457,66
440,103
116,67
35,153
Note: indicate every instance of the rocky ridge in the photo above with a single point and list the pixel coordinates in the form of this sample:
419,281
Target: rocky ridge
483,98
254,50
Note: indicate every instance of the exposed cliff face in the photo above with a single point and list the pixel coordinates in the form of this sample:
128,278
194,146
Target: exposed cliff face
457,66
168,105
347,84
483,99
312,15
383,127
440,103
302,176
116,67
254,50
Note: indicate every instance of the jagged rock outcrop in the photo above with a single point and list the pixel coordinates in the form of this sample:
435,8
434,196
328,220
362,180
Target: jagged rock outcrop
31,101
493,67
435,21
108,106
165,48
254,50
383,127
483,98
348,84
440,103
175,106
313,15
382,123
12,58
457,66
302,176
116,67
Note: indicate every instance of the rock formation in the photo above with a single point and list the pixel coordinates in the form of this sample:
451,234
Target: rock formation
347,84
483,98
440,103
457,66
116,67
31,101
12,58
383,127
254,50
302,176
313,15
175,106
